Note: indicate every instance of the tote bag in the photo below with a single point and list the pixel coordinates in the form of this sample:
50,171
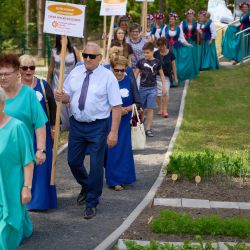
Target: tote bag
138,136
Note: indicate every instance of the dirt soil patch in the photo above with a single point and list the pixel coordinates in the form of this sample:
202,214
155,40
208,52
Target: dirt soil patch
140,230
216,190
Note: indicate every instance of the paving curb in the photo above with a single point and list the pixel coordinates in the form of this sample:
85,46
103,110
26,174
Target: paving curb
197,203
221,245
62,149
109,242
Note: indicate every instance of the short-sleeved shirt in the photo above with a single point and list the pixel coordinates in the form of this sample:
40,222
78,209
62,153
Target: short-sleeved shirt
26,108
166,62
103,93
148,70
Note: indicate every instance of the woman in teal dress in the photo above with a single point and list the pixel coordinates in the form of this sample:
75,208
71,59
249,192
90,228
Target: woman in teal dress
209,58
200,31
22,104
236,47
183,51
189,29
44,195
16,171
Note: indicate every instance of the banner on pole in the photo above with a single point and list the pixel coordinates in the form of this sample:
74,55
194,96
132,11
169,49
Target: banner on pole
113,8
64,19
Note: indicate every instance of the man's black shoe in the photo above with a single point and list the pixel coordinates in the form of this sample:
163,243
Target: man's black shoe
82,197
89,213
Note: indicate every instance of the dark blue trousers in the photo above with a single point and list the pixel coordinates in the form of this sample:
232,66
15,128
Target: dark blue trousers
94,136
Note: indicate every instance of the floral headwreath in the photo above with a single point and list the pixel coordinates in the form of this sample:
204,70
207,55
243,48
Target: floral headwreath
150,17
202,13
159,16
242,4
190,12
173,14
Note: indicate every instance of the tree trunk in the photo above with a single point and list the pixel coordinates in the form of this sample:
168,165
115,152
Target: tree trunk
40,17
27,20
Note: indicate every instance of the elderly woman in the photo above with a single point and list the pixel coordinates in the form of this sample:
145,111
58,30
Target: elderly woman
43,195
16,171
120,168
136,41
21,102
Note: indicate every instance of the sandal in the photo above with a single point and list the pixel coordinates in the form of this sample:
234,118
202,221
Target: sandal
149,133
118,188
159,113
165,114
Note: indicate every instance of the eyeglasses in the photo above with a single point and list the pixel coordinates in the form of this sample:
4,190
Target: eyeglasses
91,56
25,68
119,70
6,74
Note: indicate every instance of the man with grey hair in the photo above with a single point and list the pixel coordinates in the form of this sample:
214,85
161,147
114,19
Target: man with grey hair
92,91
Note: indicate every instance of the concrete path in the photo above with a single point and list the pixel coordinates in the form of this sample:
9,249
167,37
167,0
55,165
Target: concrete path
65,227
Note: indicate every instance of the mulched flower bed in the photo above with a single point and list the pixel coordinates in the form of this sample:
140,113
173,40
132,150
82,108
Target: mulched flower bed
140,229
216,190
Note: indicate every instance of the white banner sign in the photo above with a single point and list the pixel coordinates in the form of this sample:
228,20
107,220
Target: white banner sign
64,19
113,8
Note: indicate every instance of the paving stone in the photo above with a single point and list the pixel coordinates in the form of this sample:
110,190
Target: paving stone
224,204
244,205
167,202
195,203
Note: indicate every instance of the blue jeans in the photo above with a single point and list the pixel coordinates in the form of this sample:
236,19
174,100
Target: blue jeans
148,97
94,136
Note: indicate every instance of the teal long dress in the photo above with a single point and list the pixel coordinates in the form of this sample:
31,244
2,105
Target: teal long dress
209,58
26,108
237,47
16,151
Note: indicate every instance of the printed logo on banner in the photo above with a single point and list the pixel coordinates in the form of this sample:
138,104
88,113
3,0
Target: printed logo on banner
113,8
64,19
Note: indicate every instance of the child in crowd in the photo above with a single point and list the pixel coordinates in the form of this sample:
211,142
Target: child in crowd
148,68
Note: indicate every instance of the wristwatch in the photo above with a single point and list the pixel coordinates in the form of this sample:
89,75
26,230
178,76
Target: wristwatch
26,186
42,150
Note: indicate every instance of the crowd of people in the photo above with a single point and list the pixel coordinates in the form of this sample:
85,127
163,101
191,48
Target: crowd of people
98,98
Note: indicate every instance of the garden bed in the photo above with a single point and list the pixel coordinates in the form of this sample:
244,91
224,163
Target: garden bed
141,230
220,189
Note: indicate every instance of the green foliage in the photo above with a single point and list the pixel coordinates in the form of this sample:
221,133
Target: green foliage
207,164
171,222
188,245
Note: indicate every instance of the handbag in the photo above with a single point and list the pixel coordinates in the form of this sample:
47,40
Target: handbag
138,136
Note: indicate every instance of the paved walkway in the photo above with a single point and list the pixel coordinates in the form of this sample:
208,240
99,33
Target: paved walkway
65,227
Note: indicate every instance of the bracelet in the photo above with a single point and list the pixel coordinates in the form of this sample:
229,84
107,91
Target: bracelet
26,186
42,150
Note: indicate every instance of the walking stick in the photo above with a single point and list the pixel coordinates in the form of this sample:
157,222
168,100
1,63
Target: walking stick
110,37
58,110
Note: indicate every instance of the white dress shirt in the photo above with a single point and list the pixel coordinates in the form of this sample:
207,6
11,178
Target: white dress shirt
103,93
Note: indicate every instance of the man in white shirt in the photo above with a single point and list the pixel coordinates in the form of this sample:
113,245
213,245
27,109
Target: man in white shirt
92,92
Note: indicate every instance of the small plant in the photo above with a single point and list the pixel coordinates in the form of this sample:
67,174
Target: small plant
171,222
207,165
188,245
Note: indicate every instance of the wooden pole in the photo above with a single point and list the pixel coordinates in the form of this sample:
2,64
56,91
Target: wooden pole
145,16
142,17
111,28
105,35
58,110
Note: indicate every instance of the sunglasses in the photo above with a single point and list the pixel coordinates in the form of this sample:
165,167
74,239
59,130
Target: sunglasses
91,56
25,68
119,70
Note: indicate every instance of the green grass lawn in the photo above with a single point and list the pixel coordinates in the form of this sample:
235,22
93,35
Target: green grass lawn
217,112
